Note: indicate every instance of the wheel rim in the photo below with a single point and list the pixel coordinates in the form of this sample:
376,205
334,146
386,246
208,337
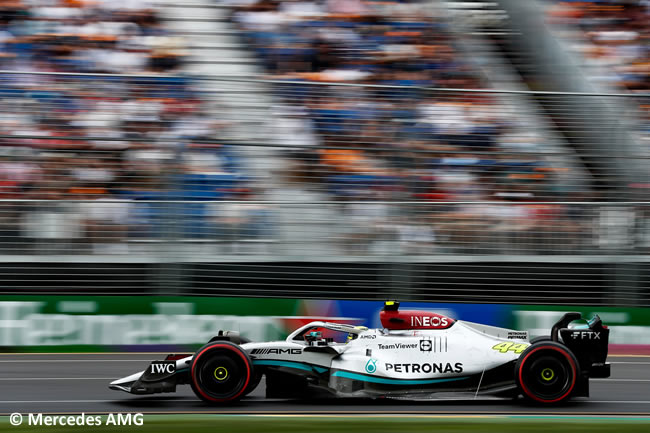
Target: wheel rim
221,375
547,376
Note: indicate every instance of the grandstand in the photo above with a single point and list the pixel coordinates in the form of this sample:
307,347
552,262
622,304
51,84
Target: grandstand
610,39
370,141
333,148
558,48
116,142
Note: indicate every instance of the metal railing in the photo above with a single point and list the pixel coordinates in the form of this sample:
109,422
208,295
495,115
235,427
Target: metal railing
114,183
352,231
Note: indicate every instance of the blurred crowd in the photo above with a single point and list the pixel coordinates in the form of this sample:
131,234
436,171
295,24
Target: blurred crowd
111,36
387,143
354,114
106,140
613,36
434,146
616,37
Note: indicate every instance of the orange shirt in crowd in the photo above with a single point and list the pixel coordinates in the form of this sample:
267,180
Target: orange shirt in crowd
348,160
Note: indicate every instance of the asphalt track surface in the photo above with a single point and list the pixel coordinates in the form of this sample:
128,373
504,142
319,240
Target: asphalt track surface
75,383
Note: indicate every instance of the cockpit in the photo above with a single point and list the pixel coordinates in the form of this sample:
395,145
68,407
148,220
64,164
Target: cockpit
326,333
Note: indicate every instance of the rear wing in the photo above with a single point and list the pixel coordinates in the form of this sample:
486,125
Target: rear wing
588,343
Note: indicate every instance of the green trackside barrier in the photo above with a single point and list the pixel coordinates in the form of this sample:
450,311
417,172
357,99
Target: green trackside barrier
115,323
152,304
610,315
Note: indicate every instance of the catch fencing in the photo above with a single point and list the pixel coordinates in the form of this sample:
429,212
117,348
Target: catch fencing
249,187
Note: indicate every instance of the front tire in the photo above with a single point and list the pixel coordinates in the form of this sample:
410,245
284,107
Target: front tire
547,373
220,372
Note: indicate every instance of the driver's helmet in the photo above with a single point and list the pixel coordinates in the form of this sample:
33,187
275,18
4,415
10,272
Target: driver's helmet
314,336
351,336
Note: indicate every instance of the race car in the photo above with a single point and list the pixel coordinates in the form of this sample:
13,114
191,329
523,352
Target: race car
416,355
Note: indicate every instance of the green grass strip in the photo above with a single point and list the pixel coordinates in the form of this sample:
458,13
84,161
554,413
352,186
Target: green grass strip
330,424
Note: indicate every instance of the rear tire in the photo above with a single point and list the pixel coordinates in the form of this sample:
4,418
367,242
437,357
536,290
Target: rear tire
547,373
220,372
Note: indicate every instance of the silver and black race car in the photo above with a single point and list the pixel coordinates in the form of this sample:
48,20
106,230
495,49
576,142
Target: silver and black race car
417,354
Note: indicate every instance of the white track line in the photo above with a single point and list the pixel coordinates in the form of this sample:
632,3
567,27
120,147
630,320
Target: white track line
620,380
619,401
85,401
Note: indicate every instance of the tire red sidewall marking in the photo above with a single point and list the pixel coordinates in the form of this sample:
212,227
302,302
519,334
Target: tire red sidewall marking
573,367
228,347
